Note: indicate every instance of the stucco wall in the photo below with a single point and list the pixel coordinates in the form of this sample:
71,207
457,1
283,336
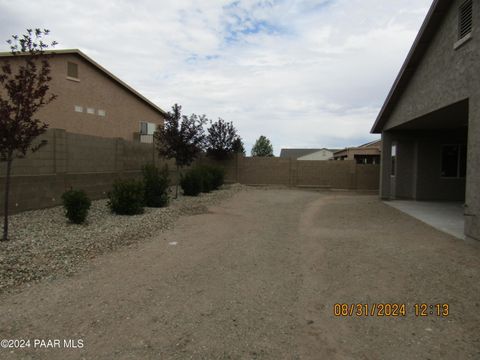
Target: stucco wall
472,204
419,163
445,75
124,111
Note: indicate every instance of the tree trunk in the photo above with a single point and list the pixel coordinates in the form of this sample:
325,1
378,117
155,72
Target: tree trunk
178,181
7,192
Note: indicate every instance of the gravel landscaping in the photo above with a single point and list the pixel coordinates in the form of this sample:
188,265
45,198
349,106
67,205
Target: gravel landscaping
44,245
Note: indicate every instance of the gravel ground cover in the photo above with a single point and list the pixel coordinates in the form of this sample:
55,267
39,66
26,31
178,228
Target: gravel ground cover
43,244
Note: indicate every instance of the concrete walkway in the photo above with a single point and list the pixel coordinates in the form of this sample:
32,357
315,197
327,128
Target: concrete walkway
444,216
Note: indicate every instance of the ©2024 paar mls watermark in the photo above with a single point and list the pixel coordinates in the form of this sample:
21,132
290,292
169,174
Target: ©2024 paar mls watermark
42,344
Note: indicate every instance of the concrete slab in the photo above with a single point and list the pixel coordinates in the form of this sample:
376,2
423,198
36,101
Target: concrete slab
444,216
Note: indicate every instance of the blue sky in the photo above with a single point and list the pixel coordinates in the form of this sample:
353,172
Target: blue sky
311,73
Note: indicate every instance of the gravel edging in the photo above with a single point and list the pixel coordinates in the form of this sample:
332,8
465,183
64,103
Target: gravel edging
44,245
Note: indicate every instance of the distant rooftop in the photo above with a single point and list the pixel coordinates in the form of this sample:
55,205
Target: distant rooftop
298,153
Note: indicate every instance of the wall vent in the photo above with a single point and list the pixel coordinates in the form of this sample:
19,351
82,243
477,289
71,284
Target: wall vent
465,19
72,70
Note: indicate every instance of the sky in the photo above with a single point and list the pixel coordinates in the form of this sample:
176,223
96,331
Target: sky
304,73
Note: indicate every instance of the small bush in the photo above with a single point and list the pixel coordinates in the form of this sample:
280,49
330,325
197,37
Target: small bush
192,182
203,178
156,185
76,204
127,197
207,178
218,176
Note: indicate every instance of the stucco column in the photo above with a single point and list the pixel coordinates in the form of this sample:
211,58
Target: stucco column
472,198
385,166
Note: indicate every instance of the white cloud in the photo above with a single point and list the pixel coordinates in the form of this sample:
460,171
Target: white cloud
309,73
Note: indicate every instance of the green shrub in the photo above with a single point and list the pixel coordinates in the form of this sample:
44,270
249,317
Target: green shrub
207,178
192,182
76,204
156,185
127,197
204,178
213,177
218,176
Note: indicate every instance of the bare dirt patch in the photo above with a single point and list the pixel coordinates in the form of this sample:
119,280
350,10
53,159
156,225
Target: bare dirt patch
257,278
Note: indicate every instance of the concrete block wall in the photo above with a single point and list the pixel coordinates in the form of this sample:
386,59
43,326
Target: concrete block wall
259,171
73,161
367,177
326,174
93,163
333,174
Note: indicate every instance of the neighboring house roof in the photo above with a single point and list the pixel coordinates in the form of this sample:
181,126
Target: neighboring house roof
429,27
298,153
103,70
377,144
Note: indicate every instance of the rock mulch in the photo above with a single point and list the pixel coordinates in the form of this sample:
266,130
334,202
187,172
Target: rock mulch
44,245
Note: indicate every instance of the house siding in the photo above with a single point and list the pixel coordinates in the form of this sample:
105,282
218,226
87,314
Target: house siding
124,110
443,77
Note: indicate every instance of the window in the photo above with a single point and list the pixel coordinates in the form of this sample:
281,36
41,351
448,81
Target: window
393,169
147,128
91,111
465,19
143,128
454,161
101,112
78,108
72,70
152,128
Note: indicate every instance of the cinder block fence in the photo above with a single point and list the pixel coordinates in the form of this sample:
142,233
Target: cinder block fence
93,163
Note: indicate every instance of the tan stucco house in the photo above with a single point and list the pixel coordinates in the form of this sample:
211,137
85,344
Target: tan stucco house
368,153
93,101
308,154
430,121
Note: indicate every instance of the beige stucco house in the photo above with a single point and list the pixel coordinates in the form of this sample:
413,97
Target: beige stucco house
93,101
308,154
368,153
430,121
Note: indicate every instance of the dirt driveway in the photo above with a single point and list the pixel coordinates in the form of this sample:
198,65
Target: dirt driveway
257,278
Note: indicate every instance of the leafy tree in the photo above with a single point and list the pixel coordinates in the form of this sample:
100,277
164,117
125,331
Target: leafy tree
238,147
24,89
181,138
221,139
263,147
